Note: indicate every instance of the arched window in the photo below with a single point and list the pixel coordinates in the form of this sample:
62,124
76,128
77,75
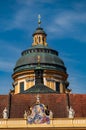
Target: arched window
39,39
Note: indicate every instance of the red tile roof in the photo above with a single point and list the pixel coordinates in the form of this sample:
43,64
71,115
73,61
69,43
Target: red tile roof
78,102
3,103
57,103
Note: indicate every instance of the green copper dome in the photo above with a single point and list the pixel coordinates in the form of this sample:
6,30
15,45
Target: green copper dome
48,59
42,65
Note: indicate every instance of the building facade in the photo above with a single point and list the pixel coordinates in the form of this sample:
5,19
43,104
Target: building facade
40,97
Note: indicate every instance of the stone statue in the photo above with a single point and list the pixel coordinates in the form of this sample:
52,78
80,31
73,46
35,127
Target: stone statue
25,114
71,112
51,114
5,113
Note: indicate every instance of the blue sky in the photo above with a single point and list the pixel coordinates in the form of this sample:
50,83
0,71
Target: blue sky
65,23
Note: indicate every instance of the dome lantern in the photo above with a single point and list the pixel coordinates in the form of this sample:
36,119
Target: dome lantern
39,36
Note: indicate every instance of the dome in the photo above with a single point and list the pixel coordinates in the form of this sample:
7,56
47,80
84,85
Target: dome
39,30
48,59
40,64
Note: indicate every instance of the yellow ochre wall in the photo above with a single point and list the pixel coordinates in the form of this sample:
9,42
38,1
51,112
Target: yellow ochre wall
53,77
56,123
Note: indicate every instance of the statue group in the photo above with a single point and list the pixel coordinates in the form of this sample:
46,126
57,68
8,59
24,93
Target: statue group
38,113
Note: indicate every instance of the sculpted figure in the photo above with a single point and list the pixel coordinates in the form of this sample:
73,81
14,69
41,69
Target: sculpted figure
51,114
25,114
5,113
71,112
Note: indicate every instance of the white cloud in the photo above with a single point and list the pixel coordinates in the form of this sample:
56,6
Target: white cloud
20,16
19,20
8,55
70,24
68,58
77,82
6,66
34,2
25,13
76,78
8,47
6,83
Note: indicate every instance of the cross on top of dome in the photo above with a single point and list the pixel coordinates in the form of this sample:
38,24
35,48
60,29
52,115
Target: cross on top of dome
39,20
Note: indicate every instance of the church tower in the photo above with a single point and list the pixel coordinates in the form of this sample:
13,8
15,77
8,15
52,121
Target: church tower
39,69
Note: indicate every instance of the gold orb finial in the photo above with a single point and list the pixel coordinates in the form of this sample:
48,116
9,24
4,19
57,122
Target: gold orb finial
38,59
